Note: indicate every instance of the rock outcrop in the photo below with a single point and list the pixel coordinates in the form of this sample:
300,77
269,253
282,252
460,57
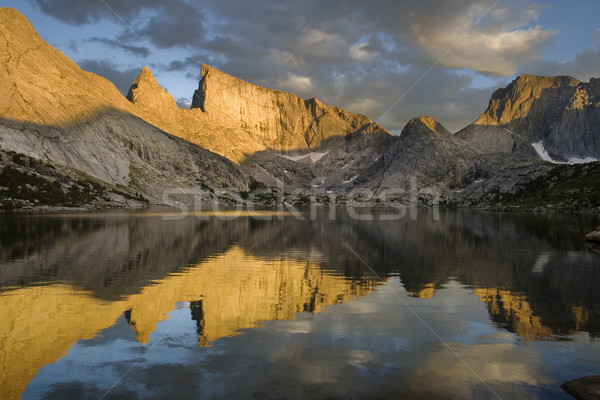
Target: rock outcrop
235,118
593,236
586,388
428,151
146,93
426,163
281,120
157,107
559,114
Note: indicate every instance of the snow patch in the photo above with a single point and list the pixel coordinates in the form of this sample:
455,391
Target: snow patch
314,156
541,150
575,160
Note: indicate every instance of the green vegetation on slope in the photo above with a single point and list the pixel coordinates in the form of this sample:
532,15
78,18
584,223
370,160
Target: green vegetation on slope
564,187
26,182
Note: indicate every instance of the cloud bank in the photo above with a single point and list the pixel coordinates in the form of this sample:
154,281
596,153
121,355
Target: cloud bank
359,55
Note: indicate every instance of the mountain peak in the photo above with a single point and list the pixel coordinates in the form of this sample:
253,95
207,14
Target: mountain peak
280,120
146,92
424,125
427,121
560,80
517,99
40,84
13,21
145,74
556,112
144,78
205,68
211,80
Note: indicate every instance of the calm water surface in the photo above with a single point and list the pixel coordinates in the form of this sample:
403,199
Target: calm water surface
133,306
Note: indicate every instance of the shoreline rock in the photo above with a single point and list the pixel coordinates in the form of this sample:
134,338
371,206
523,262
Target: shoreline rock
593,236
586,388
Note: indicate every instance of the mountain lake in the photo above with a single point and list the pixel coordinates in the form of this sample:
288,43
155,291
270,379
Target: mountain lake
328,304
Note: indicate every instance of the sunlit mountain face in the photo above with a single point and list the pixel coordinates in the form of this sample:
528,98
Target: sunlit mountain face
98,294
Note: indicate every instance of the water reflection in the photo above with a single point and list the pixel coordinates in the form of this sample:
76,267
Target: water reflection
229,292
66,279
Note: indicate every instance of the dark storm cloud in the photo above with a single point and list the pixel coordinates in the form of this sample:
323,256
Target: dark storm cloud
226,45
122,79
190,63
589,62
362,55
178,65
163,23
140,51
183,102
177,26
81,12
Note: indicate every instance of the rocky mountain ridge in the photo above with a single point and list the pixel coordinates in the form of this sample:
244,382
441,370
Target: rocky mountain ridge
280,119
235,118
238,136
76,121
157,107
536,115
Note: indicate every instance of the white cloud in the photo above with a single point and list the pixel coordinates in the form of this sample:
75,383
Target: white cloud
359,53
496,49
322,45
295,84
285,58
366,106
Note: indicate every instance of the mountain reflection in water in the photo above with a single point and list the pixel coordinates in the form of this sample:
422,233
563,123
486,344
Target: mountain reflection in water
69,278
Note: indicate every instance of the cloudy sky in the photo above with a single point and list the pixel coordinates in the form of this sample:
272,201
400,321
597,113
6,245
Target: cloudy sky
388,59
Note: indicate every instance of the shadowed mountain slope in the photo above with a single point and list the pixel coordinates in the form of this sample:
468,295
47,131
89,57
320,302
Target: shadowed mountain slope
559,114
52,110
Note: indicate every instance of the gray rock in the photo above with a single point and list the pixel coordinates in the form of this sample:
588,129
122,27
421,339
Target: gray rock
561,112
593,236
426,163
587,388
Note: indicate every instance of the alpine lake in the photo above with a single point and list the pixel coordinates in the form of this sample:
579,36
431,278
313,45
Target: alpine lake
327,304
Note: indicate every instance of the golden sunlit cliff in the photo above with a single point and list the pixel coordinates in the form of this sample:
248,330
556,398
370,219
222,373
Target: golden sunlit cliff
51,110
235,118
41,85
157,107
